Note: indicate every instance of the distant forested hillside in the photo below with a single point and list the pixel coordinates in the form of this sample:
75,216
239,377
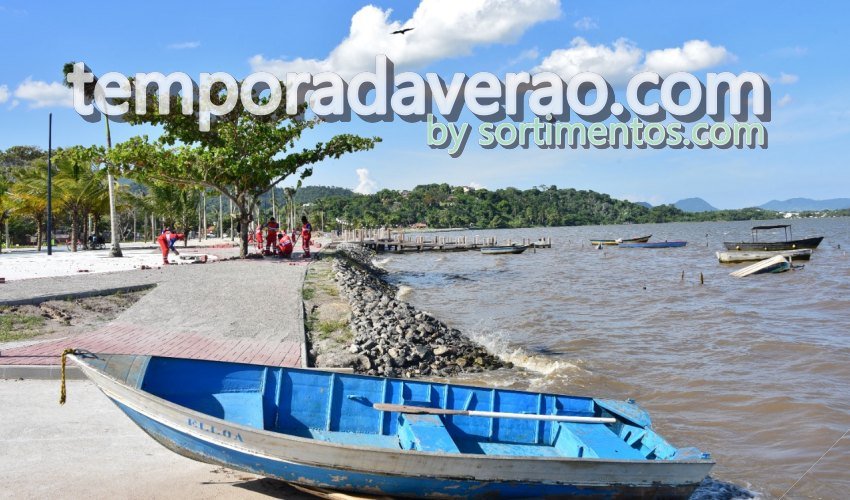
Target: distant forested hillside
443,206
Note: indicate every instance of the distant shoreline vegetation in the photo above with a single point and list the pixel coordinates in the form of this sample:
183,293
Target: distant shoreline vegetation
444,206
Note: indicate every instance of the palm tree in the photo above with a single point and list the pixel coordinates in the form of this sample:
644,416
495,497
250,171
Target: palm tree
115,250
80,191
28,196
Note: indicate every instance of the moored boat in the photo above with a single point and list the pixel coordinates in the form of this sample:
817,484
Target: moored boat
775,264
503,249
767,246
735,257
640,239
654,244
404,438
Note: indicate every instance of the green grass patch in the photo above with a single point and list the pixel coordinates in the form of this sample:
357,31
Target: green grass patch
16,326
307,293
328,327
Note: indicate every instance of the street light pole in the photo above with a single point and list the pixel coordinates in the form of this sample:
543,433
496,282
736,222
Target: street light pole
49,185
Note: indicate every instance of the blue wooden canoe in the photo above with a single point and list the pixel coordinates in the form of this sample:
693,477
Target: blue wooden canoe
654,244
402,438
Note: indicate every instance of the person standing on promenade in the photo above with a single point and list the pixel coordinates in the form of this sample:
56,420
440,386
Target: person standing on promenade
306,234
258,237
272,228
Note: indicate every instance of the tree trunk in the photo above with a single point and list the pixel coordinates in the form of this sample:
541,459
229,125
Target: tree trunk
74,224
38,234
244,220
185,224
85,238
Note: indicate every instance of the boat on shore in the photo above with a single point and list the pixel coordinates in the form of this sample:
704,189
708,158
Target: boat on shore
640,239
503,249
393,437
775,264
654,244
766,246
736,257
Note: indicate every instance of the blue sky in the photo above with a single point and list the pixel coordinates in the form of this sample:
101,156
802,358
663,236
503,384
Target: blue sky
800,48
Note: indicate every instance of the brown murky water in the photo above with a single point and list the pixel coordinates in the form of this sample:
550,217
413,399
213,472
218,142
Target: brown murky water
754,370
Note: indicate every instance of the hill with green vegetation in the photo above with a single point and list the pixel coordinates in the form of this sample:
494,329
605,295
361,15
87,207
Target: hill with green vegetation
444,206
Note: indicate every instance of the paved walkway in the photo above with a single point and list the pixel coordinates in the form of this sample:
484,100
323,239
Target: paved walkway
243,310
89,449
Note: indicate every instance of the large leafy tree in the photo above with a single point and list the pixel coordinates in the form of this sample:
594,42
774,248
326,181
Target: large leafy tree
242,156
81,188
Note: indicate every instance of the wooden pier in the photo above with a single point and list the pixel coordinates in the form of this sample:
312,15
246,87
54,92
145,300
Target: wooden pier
387,240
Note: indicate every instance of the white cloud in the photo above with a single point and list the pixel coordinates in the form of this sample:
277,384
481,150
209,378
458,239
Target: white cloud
4,93
14,104
365,184
442,28
692,56
475,185
525,55
43,95
585,24
783,78
623,59
184,45
785,100
616,63
788,78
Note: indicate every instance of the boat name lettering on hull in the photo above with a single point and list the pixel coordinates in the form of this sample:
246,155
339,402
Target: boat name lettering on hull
227,433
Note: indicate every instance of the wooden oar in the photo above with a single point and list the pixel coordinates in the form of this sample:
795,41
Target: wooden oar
491,414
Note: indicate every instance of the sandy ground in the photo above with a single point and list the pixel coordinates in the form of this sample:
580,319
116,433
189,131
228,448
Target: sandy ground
28,324
27,263
89,449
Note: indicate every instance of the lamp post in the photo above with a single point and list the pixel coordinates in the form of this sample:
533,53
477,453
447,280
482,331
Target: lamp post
49,185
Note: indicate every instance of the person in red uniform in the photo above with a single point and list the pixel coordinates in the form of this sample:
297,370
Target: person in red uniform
284,245
166,242
258,238
272,228
306,234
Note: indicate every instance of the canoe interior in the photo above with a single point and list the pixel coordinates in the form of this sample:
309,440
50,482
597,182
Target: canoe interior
337,408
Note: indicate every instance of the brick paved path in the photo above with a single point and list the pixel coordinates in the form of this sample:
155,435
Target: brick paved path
247,311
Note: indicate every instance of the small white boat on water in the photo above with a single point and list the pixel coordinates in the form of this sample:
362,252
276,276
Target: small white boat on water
736,257
775,264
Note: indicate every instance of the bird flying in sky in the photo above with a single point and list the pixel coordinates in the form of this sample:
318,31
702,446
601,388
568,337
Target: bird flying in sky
401,31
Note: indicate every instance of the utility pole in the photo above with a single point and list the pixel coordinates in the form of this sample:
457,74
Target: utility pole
49,185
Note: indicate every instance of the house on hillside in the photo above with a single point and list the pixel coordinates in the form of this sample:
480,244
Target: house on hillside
419,225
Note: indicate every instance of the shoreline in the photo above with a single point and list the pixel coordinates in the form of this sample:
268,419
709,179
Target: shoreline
373,332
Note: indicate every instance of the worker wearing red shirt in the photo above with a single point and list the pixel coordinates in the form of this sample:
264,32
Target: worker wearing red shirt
258,237
284,245
166,242
306,234
272,228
